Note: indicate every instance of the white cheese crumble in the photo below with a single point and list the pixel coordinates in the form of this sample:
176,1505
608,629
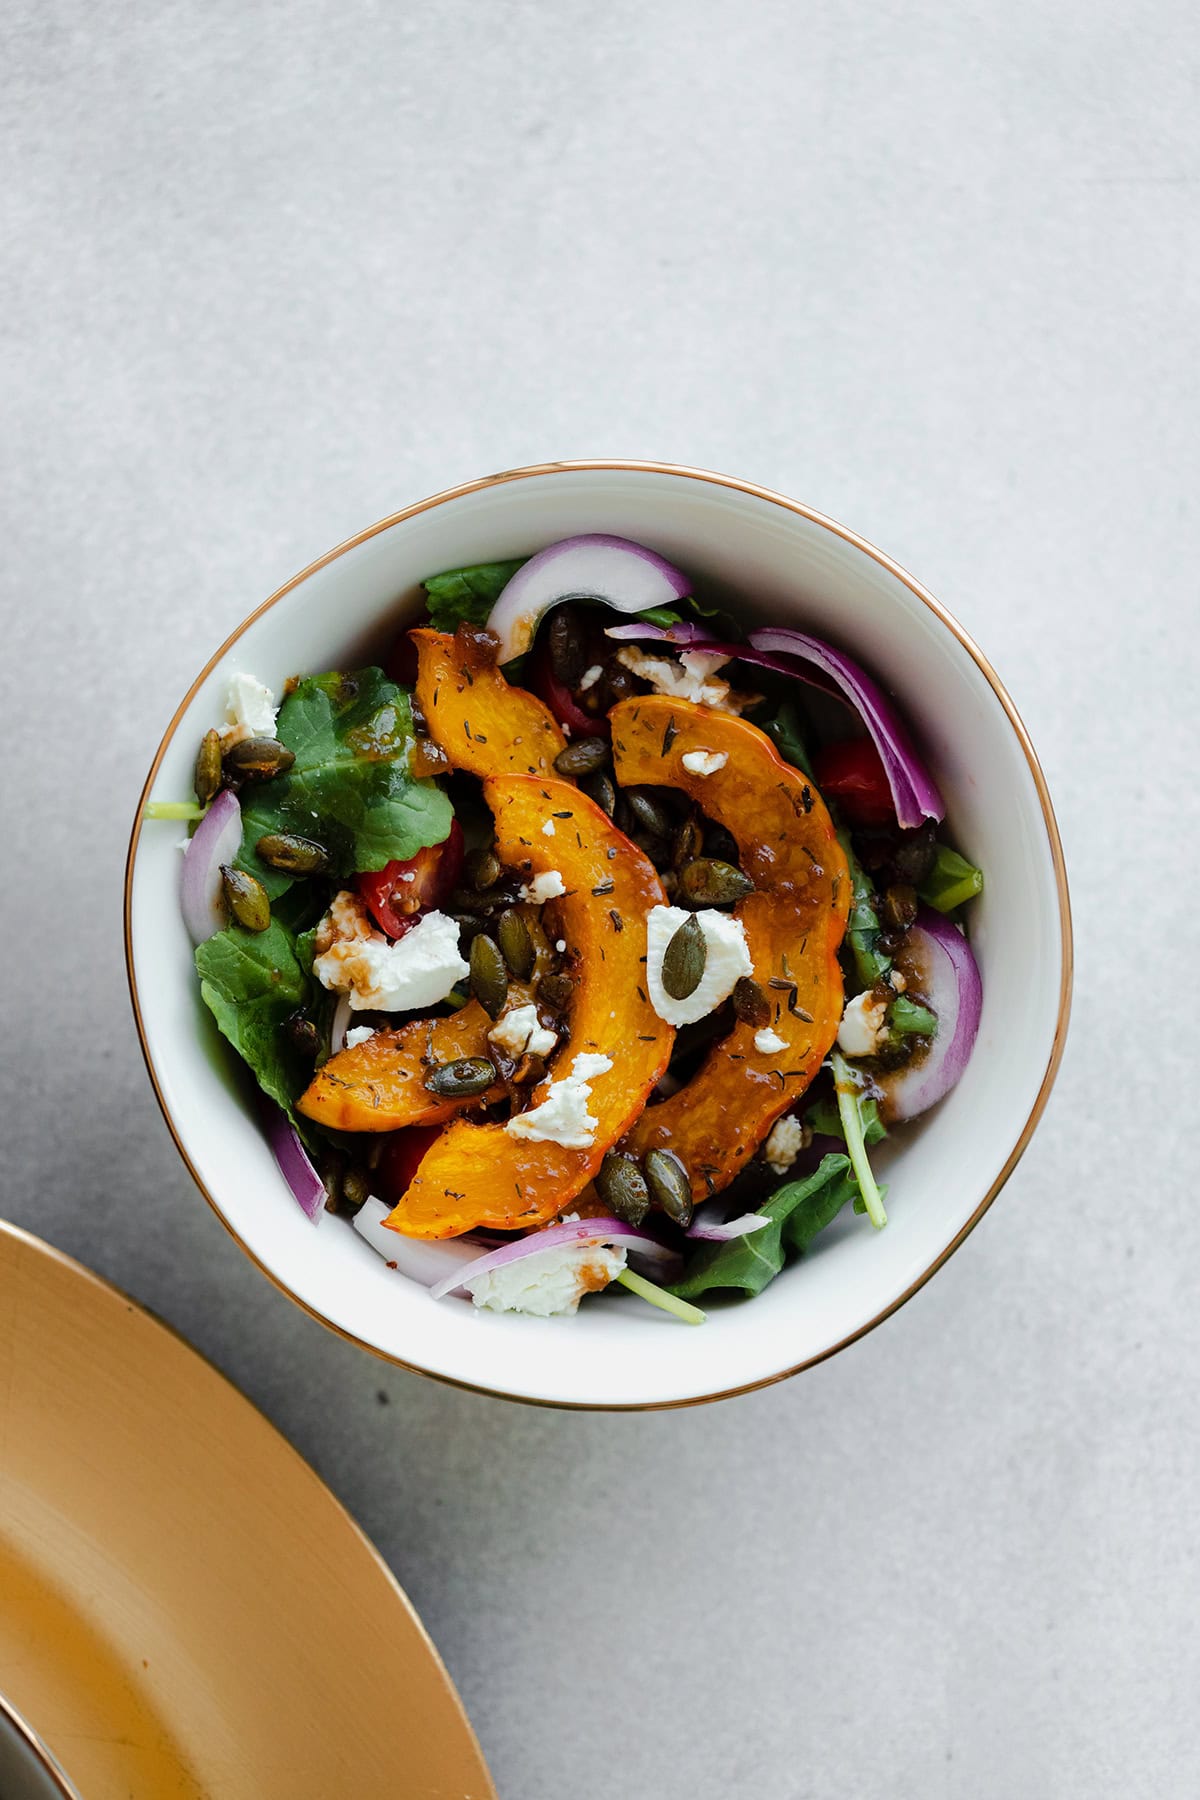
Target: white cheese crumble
250,709
353,958
563,1117
726,958
693,677
768,1042
703,762
789,1136
548,828
548,1282
560,945
864,1025
590,677
358,1034
547,886
520,1034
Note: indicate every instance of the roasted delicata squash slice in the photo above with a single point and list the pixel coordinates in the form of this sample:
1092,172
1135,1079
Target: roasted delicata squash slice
481,723
503,1175
794,923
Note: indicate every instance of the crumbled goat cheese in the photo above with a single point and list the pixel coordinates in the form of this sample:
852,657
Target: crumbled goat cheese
250,710
768,1042
590,677
726,957
548,828
864,1025
520,1034
353,958
897,980
548,1281
560,945
563,1117
703,762
789,1136
693,677
358,1034
544,887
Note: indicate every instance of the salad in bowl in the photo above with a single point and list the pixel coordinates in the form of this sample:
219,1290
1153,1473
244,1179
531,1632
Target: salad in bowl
588,942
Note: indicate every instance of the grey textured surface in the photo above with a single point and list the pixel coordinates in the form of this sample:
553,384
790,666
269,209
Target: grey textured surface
271,271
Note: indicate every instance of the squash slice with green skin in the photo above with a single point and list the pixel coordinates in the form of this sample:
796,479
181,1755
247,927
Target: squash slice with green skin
482,1174
484,726
794,922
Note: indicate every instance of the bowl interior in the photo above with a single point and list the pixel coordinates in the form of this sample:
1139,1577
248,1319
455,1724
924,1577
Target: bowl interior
781,566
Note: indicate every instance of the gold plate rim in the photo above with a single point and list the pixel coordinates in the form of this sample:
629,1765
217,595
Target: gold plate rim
1066,936
29,1737
466,1750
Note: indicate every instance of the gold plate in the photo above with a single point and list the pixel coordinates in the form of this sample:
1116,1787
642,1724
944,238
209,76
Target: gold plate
185,1609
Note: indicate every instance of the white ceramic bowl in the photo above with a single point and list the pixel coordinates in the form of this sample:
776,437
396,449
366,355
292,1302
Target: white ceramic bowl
786,565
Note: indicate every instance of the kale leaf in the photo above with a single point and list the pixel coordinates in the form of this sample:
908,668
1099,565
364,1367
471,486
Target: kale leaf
467,594
252,982
349,787
798,1211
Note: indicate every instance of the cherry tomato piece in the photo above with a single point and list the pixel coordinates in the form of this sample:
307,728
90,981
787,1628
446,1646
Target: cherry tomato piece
852,773
400,892
400,1159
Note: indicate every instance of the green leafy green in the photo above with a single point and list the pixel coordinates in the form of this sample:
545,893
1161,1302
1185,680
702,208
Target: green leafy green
252,982
825,1119
349,787
786,733
851,1101
951,881
661,1297
660,615
863,929
909,1018
467,595
797,1212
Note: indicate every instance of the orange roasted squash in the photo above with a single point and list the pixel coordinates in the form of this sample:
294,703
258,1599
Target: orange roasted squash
794,923
484,1174
484,726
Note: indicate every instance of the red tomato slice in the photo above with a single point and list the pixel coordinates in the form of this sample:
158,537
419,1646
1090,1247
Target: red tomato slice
400,892
852,773
400,1159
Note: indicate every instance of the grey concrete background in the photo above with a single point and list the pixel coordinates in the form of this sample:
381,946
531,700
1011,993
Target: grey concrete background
269,272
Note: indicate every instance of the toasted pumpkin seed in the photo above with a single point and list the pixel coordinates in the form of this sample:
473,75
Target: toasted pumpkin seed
687,843
303,1035
516,945
296,855
463,1079
622,1187
568,650
355,1188
583,757
489,977
208,767
706,881
670,1189
556,992
258,759
246,898
750,1002
684,959
599,787
648,811
484,870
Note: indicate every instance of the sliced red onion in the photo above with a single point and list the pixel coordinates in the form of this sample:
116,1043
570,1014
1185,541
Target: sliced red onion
216,840
687,634
949,978
343,1017
427,1260
292,1158
624,575
706,1226
557,1237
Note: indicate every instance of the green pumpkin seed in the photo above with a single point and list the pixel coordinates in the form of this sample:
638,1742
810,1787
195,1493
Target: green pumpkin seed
208,767
483,869
568,649
705,881
586,756
654,849
295,855
622,1187
246,898
258,759
750,1002
303,1035
600,788
516,945
687,843
556,992
670,1189
646,810
489,977
463,1079
355,1188
684,959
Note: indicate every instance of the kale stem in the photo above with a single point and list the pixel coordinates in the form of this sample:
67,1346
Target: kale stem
646,1290
848,1092
174,809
